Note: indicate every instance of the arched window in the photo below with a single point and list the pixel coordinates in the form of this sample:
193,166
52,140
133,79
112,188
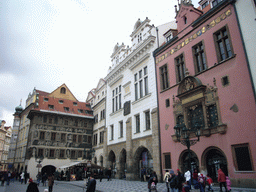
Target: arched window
63,90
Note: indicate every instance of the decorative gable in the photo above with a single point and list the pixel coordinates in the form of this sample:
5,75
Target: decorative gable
63,92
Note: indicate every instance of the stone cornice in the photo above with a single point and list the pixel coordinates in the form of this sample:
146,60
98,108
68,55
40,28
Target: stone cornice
130,58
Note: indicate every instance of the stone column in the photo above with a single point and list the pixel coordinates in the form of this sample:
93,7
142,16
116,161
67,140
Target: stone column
156,144
105,149
129,156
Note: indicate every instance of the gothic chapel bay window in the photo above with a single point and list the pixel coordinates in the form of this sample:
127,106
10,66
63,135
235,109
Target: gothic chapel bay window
116,99
141,83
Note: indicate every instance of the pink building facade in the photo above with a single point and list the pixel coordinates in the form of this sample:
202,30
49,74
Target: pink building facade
203,81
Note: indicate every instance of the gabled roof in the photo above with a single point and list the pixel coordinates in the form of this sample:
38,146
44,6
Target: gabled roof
91,94
100,83
68,95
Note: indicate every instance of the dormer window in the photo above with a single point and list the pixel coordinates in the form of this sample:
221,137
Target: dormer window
205,4
215,2
169,37
66,109
185,20
63,90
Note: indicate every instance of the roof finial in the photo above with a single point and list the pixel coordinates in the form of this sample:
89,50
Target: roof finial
20,102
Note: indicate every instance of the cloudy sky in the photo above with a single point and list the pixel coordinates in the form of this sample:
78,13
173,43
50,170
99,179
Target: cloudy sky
45,43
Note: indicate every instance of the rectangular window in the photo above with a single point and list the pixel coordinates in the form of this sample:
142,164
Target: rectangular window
223,44
215,2
96,118
51,106
167,102
79,138
164,77
137,121
95,139
101,136
180,68
121,128
242,157
40,152
89,139
74,138
63,137
116,99
52,153
80,153
167,161
45,119
42,135
111,132
66,109
73,154
199,57
62,152
141,83
53,136
147,120
205,4
66,122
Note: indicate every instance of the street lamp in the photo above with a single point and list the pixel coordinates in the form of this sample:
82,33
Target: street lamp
183,136
39,160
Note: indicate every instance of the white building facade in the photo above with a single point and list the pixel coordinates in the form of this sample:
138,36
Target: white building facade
131,106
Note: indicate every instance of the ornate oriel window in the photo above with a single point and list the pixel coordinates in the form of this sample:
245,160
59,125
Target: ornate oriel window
198,104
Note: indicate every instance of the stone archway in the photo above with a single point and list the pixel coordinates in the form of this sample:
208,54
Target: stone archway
212,159
142,158
184,161
112,162
48,169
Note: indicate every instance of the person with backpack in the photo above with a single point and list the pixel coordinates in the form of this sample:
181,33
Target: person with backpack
172,181
166,178
179,181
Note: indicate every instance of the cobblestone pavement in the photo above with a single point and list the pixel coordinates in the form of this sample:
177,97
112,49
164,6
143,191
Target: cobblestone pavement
115,185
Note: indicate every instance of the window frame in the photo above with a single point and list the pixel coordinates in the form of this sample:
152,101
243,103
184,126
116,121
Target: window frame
164,80
216,42
201,53
137,123
180,61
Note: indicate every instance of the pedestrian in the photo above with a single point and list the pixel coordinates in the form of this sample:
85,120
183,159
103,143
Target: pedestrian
209,182
187,176
9,175
13,176
143,173
32,187
44,178
152,182
228,182
50,182
26,177
166,178
2,179
172,181
109,173
39,178
179,181
222,179
101,174
201,181
22,177
91,184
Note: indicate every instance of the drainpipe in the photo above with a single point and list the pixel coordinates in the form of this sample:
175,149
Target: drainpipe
160,158
157,37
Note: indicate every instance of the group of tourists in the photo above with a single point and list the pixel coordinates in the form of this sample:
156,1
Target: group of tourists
179,182
33,186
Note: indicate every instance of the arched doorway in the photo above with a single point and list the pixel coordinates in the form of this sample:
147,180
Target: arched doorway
122,163
112,162
101,161
215,159
143,158
184,161
48,169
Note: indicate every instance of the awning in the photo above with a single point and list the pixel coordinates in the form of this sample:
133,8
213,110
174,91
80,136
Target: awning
70,164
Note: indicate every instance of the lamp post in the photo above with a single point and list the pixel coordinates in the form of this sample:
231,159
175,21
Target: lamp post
183,136
39,160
